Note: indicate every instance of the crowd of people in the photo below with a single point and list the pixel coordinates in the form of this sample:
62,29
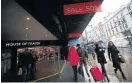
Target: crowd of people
79,57
27,62
27,65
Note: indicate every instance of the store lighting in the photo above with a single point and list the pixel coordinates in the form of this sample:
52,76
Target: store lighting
28,18
27,28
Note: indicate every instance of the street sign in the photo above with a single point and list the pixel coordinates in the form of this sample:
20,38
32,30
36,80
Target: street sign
82,8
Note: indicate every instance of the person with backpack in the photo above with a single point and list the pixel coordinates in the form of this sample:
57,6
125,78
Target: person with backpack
83,59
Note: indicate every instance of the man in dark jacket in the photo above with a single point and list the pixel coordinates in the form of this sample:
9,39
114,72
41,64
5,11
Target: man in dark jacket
26,61
83,59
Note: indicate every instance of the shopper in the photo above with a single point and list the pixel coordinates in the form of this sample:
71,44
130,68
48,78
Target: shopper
113,56
26,61
83,59
33,67
99,50
73,57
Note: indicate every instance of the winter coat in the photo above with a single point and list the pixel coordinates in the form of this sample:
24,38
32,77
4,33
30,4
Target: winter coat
73,57
113,54
100,55
25,58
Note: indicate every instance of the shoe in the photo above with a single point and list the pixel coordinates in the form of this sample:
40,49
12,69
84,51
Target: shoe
76,80
115,71
124,78
108,80
88,74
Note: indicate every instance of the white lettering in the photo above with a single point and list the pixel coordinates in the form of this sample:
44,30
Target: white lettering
87,8
74,10
24,43
91,8
13,44
68,9
33,43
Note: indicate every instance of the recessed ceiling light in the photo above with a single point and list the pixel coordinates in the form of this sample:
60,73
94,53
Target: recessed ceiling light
46,35
27,28
26,34
28,18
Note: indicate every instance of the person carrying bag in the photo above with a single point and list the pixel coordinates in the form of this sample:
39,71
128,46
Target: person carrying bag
122,59
113,54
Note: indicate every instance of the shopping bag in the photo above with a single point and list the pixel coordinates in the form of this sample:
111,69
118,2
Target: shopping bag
122,59
96,73
20,71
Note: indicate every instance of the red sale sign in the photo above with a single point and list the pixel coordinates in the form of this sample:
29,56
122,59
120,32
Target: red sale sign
74,35
82,8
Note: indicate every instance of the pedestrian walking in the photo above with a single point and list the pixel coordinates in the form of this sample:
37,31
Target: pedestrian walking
73,57
33,66
114,57
83,55
26,61
99,50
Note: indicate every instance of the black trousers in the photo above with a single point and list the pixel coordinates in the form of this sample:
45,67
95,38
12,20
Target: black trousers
104,71
75,72
84,62
120,69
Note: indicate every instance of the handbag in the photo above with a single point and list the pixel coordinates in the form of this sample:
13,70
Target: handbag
20,71
122,59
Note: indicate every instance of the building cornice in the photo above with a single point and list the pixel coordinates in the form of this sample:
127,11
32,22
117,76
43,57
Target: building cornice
116,13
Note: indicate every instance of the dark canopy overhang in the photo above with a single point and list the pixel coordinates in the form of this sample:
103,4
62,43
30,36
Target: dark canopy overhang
50,14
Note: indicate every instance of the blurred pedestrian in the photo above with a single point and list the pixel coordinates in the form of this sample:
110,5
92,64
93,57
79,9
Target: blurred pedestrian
99,50
26,61
73,57
114,57
33,67
83,59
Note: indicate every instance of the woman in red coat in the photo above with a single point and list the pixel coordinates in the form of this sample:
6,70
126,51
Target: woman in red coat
73,57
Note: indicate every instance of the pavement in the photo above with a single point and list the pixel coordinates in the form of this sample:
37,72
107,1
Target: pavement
46,68
68,76
108,67
127,67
